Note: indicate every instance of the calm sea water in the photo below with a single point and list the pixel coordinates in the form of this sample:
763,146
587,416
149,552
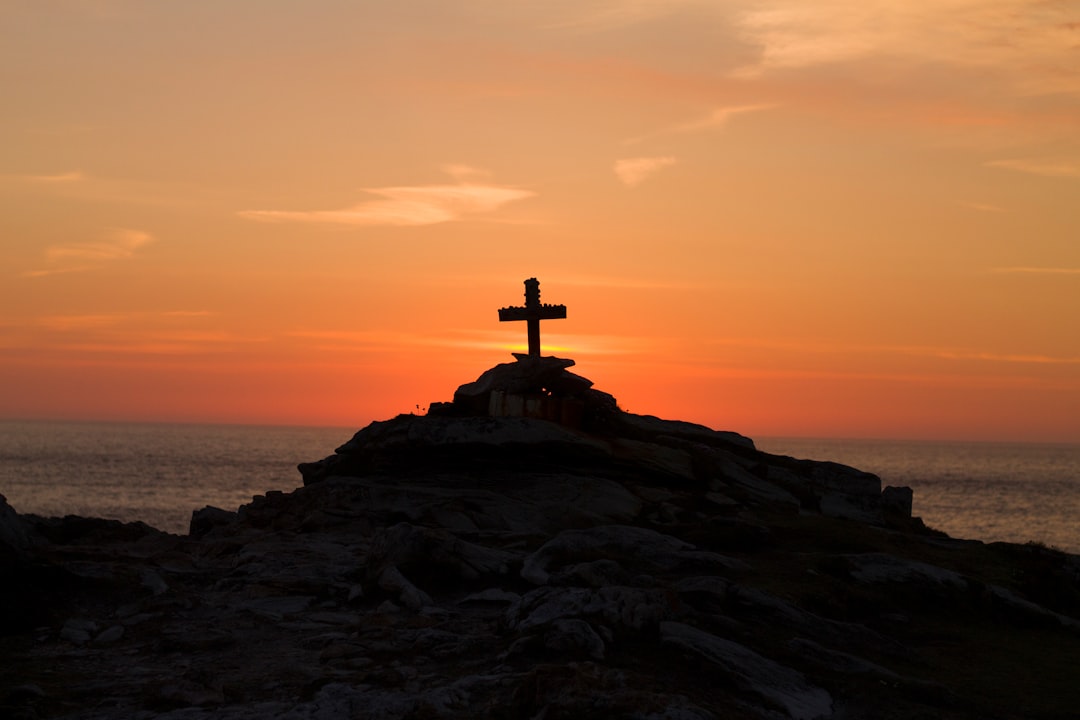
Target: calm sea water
1016,492
157,473
161,473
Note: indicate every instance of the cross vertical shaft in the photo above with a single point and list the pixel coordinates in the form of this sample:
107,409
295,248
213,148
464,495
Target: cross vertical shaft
532,304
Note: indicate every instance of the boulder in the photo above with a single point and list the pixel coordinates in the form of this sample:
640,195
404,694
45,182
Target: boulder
14,542
786,688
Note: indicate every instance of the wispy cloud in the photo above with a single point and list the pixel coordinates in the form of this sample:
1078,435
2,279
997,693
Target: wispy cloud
1049,168
65,323
1022,358
1029,43
405,206
119,243
927,351
716,119
1036,271
502,340
130,333
116,244
68,177
92,321
57,271
634,171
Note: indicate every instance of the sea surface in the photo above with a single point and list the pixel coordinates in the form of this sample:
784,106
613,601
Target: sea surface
160,473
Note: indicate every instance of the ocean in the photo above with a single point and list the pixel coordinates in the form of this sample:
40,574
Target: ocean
160,473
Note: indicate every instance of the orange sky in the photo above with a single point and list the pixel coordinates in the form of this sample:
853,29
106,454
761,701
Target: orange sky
841,218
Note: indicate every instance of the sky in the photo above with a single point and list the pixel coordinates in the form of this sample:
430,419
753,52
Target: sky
845,218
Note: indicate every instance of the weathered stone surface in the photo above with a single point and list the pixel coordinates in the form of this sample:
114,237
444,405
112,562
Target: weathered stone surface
651,426
208,518
880,567
781,685
574,636
638,549
897,501
528,374
13,540
405,545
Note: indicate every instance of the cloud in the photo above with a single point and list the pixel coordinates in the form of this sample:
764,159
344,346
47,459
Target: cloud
505,339
634,171
1048,168
57,271
716,119
117,244
1004,357
1035,271
139,332
405,206
68,177
1029,43
929,351
64,323
719,117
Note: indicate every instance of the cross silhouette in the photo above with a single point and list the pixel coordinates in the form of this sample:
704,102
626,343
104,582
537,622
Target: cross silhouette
533,313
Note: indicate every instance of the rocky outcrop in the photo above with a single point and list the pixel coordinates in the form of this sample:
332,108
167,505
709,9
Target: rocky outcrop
470,565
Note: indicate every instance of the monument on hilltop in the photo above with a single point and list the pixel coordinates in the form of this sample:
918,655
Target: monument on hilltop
537,386
532,313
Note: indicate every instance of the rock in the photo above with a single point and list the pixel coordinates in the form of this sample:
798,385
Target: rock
675,462
13,540
110,635
528,374
392,581
787,688
650,426
190,694
839,662
405,545
208,518
626,608
881,567
78,630
727,470
573,635
631,547
897,501
27,692
154,582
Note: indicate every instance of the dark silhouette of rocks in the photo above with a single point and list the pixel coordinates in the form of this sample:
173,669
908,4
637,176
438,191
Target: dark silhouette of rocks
528,550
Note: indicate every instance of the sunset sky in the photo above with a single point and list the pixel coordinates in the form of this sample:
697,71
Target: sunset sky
839,218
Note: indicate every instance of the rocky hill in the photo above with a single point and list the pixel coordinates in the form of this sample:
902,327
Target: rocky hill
531,551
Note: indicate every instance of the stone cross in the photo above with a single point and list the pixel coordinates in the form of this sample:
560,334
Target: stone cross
533,313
